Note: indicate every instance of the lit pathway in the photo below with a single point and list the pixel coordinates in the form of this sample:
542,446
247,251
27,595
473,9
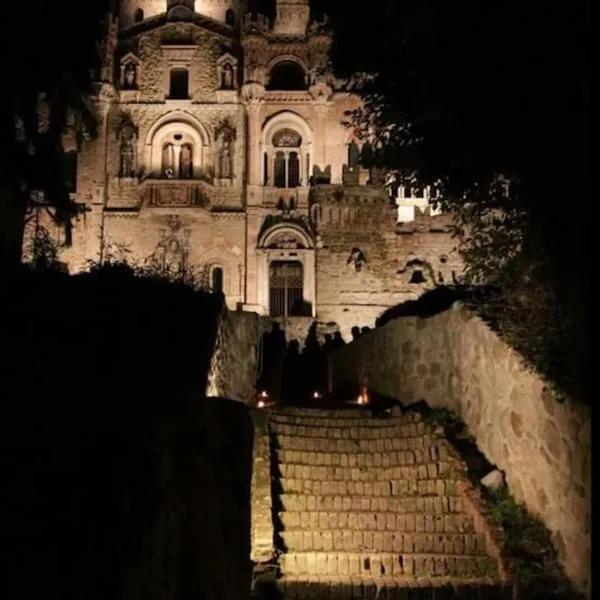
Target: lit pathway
368,507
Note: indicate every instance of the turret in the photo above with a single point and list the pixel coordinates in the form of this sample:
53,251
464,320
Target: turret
225,11
292,17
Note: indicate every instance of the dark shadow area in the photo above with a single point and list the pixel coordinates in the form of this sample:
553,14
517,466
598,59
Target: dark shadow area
287,75
120,480
433,302
301,590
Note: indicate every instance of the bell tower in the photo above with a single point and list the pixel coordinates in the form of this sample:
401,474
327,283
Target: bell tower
292,17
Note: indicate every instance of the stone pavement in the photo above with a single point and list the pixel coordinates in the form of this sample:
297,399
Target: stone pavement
366,507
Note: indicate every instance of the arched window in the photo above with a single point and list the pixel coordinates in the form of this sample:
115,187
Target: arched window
138,15
287,75
168,161
186,162
216,280
177,161
230,17
286,164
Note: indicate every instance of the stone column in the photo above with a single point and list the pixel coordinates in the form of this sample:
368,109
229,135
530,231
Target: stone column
321,94
252,94
106,95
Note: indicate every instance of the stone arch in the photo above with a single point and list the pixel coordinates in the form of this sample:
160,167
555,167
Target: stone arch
179,129
287,72
288,232
302,154
291,58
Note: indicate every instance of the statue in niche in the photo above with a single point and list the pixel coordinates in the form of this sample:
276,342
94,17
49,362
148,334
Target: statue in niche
187,167
225,156
227,77
128,151
130,76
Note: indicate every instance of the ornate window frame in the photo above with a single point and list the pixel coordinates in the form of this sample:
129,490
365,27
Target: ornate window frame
278,122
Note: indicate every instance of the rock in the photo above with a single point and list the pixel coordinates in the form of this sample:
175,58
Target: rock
494,480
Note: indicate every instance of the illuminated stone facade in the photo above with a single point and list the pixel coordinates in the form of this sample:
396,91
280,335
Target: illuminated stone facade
223,153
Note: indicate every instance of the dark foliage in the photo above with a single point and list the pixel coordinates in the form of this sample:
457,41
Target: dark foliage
47,84
462,93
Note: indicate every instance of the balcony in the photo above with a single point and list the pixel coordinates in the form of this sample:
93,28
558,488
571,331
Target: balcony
176,193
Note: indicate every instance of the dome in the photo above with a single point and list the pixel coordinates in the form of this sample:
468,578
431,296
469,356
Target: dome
225,11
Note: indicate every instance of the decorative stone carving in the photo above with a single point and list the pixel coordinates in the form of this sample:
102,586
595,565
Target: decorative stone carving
173,194
130,77
129,72
227,77
225,138
127,151
357,259
285,241
253,93
171,252
287,138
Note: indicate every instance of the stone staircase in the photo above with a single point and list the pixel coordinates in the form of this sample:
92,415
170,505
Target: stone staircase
376,508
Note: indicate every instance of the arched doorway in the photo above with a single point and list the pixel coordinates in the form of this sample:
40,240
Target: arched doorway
286,289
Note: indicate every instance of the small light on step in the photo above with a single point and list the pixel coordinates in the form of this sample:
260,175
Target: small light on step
261,404
316,395
363,398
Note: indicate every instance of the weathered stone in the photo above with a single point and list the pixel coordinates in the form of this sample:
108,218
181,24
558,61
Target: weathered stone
516,421
510,410
552,436
494,480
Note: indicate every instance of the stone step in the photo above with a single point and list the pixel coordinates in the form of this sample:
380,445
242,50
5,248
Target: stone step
389,458
347,445
387,565
354,412
413,504
369,521
343,421
352,433
386,489
368,473
368,540
391,588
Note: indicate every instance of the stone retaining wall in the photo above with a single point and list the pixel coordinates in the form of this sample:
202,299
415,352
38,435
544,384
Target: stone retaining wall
453,360
234,364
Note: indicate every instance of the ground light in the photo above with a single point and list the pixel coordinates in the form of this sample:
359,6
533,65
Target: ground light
263,400
363,397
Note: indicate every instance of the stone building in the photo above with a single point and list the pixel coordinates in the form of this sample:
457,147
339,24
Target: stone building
223,153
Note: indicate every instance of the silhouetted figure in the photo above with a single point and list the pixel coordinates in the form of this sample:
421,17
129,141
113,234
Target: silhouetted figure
312,362
328,343
365,330
292,374
273,353
338,340
355,331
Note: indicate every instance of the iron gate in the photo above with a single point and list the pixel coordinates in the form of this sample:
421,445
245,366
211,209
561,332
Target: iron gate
286,289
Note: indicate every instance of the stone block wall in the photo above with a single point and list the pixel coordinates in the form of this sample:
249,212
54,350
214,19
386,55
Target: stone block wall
234,364
453,360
